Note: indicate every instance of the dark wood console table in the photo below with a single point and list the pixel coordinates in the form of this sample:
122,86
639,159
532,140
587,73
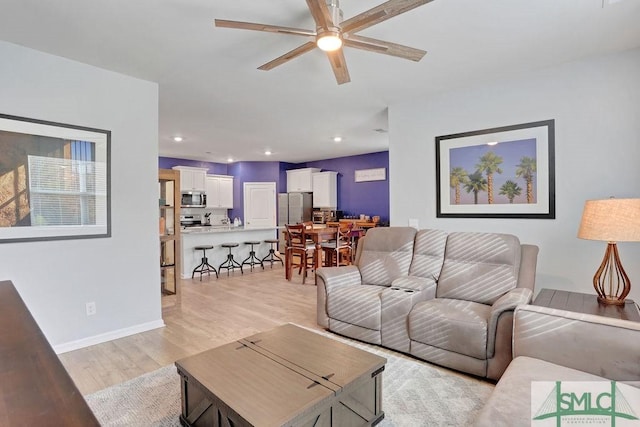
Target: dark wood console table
35,389
586,303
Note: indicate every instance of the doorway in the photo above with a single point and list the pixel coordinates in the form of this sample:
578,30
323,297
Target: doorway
259,204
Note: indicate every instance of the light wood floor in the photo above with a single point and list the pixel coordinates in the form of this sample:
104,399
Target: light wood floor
202,315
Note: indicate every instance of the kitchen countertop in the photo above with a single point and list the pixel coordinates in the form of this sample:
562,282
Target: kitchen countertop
221,229
216,236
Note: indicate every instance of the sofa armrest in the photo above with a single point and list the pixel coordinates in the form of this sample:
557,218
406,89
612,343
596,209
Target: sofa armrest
598,345
339,276
416,283
397,301
507,302
328,278
528,262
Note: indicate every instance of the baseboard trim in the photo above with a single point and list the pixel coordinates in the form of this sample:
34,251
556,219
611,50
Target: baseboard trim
108,336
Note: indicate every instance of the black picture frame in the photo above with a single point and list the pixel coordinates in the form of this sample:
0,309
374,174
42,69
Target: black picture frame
55,181
501,184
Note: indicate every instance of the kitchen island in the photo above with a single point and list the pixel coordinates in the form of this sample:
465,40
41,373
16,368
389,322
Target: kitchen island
216,235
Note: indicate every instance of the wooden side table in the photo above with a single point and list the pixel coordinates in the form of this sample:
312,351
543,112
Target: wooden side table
586,303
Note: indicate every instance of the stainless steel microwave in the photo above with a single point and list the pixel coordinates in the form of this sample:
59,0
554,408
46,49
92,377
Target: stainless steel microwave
193,199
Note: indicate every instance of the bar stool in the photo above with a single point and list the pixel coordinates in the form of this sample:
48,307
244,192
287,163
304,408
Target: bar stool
252,259
204,266
230,263
271,256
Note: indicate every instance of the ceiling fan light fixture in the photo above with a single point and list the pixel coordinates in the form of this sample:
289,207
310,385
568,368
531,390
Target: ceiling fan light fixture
329,41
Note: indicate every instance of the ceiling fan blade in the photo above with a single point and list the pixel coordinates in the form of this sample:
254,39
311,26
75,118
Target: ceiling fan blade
320,13
388,48
339,66
308,46
379,14
263,27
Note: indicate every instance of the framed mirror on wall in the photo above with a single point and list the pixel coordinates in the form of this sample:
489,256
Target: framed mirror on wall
54,181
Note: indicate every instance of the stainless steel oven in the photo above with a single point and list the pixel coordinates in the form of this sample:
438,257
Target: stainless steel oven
321,216
318,217
191,220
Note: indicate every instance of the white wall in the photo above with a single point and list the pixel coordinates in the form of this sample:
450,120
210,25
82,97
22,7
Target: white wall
596,107
121,274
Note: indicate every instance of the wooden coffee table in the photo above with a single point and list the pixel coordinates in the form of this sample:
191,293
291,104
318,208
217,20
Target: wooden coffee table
287,376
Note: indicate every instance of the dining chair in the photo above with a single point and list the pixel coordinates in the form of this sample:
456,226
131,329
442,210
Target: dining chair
297,245
308,225
338,252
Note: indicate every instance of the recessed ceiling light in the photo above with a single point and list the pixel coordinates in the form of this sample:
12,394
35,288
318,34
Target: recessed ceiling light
177,138
337,139
492,143
267,153
230,159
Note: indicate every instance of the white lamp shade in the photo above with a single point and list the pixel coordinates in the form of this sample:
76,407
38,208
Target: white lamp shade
611,220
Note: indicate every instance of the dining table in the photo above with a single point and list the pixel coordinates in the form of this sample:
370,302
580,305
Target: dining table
318,235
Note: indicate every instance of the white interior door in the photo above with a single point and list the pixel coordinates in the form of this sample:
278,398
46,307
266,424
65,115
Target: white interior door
259,204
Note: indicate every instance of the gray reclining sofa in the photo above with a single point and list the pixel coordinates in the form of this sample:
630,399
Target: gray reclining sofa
557,345
445,298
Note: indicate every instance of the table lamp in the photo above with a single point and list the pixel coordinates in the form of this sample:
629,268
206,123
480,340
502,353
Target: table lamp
611,220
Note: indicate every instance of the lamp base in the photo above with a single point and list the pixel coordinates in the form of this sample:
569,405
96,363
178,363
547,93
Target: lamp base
609,300
611,281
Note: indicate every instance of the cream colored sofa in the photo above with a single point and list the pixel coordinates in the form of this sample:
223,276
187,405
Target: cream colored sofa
557,345
445,298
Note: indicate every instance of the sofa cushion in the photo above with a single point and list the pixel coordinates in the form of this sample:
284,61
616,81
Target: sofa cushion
479,267
510,403
358,305
356,332
428,253
386,254
454,325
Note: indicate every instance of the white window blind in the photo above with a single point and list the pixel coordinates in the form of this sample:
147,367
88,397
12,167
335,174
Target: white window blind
66,192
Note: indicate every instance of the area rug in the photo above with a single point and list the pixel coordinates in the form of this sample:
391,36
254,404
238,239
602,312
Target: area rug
415,393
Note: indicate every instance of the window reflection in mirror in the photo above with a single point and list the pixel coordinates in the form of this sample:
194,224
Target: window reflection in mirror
53,181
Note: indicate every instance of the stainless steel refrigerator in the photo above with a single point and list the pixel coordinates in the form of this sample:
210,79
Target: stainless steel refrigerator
292,209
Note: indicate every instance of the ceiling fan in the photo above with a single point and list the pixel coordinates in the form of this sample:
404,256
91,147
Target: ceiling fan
332,33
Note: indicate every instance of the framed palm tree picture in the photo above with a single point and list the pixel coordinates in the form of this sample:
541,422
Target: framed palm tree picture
503,172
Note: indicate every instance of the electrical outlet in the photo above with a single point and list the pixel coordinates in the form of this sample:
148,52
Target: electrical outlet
91,308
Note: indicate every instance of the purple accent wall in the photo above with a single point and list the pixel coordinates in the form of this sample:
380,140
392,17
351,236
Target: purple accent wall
213,168
284,167
354,198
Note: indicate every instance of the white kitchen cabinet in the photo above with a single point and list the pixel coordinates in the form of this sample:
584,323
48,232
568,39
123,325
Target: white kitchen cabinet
325,189
219,190
192,179
300,180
